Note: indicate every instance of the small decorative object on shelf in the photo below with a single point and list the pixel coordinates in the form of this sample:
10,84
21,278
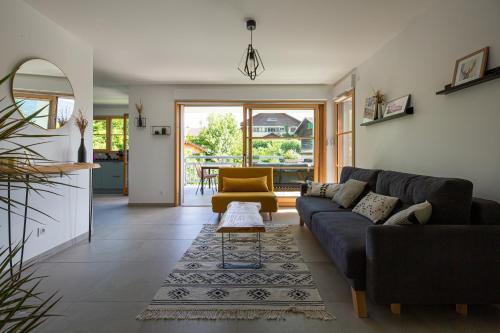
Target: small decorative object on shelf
140,121
374,106
81,123
397,106
471,67
370,111
161,130
380,99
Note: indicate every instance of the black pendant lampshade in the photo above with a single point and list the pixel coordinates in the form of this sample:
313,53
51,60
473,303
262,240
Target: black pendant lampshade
251,64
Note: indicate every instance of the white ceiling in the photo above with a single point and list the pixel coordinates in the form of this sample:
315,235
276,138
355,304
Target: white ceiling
201,41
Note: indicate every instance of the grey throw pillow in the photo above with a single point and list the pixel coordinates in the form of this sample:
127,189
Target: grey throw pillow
416,214
322,190
376,207
349,192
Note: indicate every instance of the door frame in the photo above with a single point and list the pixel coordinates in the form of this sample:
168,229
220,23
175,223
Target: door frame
336,104
320,107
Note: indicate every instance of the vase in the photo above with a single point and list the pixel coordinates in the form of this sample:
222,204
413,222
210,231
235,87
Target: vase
380,110
82,152
139,121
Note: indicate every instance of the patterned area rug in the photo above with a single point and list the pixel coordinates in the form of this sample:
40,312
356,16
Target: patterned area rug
198,287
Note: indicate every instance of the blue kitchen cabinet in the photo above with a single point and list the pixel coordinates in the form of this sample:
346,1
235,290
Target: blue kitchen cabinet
109,178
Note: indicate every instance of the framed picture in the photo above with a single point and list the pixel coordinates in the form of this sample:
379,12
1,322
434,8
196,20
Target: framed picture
471,67
397,106
370,112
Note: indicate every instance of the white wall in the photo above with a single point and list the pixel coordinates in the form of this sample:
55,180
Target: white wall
455,135
110,110
152,158
24,33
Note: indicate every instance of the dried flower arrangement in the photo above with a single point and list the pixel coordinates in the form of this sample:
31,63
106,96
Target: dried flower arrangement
139,108
140,111
379,96
81,122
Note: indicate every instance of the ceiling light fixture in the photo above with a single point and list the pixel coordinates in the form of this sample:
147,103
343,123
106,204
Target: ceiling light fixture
251,64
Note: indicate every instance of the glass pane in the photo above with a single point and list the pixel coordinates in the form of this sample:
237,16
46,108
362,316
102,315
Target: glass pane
282,123
117,134
30,106
344,153
344,116
99,134
65,107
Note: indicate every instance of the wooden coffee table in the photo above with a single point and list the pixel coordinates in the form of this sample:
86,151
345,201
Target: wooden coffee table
242,217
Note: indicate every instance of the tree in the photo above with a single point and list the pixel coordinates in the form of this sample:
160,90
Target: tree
222,136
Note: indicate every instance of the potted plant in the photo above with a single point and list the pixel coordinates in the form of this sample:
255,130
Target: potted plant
23,307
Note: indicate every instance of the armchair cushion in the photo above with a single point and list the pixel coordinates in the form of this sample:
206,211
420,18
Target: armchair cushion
256,184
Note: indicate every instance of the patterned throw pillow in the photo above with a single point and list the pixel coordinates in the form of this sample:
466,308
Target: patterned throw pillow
349,192
416,214
375,206
322,190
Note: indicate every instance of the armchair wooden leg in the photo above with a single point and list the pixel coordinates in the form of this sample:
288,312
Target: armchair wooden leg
301,222
462,309
219,217
270,216
396,308
359,303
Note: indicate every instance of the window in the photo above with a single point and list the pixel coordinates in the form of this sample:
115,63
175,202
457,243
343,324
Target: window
344,133
100,132
288,145
108,134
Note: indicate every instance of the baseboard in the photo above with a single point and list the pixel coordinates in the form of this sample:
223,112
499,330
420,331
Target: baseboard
151,204
59,248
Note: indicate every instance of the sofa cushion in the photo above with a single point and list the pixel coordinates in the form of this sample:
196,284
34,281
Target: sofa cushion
416,214
450,198
343,236
308,206
365,175
349,192
485,212
322,190
376,207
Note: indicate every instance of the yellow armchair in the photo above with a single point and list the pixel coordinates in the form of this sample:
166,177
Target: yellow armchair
267,199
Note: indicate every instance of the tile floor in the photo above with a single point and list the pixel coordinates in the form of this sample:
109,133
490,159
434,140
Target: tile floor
106,283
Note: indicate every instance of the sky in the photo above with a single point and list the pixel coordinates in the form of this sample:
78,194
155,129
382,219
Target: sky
197,116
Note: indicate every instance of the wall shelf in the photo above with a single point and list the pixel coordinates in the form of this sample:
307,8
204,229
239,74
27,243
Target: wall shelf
407,112
490,74
161,130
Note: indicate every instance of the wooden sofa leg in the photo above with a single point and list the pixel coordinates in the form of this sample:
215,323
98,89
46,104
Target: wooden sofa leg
301,222
396,308
359,303
462,309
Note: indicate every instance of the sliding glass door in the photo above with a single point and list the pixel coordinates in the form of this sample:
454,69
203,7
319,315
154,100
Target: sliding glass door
284,137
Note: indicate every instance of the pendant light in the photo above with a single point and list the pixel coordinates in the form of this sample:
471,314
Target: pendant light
251,64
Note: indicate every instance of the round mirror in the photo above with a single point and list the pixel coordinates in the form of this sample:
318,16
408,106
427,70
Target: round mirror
41,85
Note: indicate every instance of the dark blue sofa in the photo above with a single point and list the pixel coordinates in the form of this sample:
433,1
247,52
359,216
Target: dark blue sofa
453,259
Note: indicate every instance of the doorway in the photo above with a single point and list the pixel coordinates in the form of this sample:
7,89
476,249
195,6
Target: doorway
289,137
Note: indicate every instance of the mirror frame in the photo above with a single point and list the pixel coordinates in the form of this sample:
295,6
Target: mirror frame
13,74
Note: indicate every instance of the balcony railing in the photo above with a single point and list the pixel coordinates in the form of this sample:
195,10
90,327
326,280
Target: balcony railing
288,175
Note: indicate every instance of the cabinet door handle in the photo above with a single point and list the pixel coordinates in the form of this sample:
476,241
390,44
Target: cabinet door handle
116,176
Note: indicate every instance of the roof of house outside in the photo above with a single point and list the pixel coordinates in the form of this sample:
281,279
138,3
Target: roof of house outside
274,119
